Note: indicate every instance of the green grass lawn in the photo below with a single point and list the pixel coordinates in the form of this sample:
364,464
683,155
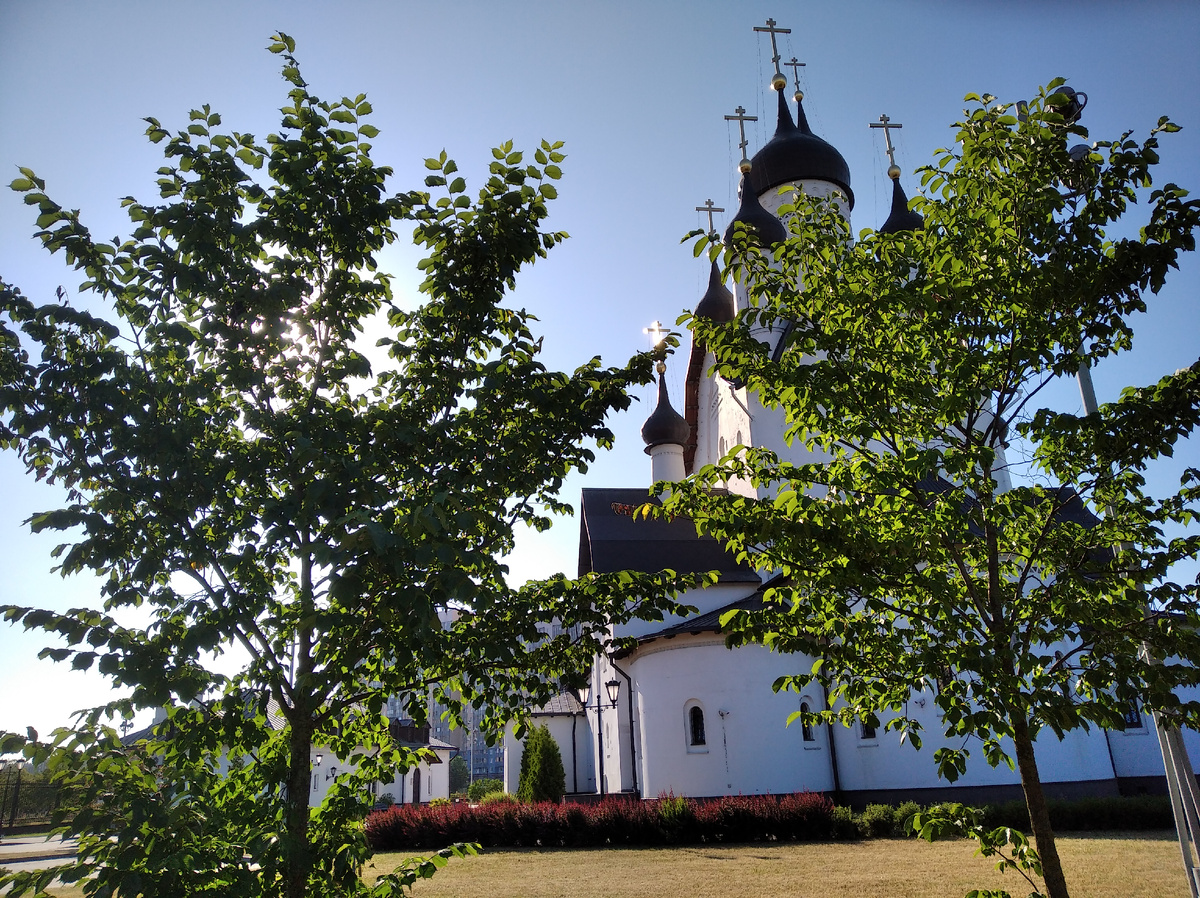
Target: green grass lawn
1098,865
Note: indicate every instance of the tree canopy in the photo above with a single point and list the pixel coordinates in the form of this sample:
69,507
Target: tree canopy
917,556
236,468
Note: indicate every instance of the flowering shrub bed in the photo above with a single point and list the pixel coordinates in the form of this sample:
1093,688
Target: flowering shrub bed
669,820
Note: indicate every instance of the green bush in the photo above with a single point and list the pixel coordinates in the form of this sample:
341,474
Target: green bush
876,821
901,816
483,787
842,825
499,797
542,774
439,802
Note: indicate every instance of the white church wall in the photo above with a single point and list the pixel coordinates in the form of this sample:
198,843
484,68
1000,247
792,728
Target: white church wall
567,730
749,749
434,779
883,763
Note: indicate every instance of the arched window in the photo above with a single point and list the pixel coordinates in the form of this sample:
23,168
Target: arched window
806,728
696,726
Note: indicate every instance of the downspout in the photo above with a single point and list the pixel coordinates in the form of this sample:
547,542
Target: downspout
632,743
833,764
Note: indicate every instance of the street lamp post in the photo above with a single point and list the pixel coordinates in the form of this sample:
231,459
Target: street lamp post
613,688
1181,781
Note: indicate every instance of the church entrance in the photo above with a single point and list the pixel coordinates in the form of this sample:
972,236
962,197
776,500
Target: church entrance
417,786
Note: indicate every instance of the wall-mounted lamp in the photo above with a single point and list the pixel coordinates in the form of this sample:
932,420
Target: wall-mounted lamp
332,772
319,758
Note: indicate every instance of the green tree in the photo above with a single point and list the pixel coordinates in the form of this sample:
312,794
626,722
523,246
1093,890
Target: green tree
480,788
542,775
910,362
234,465
460,775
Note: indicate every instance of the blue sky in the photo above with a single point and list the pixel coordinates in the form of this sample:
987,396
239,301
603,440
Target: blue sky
637,91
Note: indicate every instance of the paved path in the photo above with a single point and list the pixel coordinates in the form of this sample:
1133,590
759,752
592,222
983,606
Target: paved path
34,849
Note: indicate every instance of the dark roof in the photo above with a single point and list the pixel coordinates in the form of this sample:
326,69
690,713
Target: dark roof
796,154
901,218
612,539
665,425
766,227
701,623
563,704
717,302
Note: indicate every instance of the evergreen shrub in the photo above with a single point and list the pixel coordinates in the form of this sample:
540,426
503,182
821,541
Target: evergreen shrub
542,775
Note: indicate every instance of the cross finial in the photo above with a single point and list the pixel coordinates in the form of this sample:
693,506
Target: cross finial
778,82
887,124
795,65
657,332
710,209
741,118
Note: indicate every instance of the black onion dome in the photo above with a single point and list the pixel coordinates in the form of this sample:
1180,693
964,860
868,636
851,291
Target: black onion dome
665,425
902,217
717,302
770,230
796,154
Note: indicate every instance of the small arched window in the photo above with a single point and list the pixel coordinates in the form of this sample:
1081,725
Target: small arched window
806,727
696,726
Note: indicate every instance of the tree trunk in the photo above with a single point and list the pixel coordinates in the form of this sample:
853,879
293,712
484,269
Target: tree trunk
297,860
1039,813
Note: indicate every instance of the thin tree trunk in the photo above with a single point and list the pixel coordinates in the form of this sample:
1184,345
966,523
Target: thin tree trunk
297,859
1039,813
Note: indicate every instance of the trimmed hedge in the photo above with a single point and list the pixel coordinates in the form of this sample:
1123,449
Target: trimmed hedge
675,820
805,816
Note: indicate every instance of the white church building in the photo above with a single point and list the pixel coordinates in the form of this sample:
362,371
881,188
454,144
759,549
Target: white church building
683,713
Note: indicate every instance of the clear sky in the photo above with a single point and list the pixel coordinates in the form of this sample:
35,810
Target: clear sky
637,90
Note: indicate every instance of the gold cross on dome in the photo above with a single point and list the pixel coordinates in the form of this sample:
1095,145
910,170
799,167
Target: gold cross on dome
887,124
710,209
778,82
741,118
656,332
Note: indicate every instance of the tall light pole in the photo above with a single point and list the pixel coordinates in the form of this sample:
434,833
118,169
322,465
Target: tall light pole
613,688
1181,780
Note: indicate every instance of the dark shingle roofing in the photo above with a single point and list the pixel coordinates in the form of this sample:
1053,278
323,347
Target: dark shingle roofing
612,539
563,704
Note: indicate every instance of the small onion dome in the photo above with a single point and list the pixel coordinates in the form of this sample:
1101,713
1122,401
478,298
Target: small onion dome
665,425
796,154
717,302
902,218
767,227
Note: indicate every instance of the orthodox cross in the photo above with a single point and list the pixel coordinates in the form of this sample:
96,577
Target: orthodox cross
710,209
887,124
778,81
741,118
795,65
657,332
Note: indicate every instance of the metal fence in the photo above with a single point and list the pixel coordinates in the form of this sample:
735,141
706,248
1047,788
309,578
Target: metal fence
25,799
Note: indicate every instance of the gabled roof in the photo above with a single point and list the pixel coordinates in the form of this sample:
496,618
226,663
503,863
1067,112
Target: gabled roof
612,539
701,623
564,704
